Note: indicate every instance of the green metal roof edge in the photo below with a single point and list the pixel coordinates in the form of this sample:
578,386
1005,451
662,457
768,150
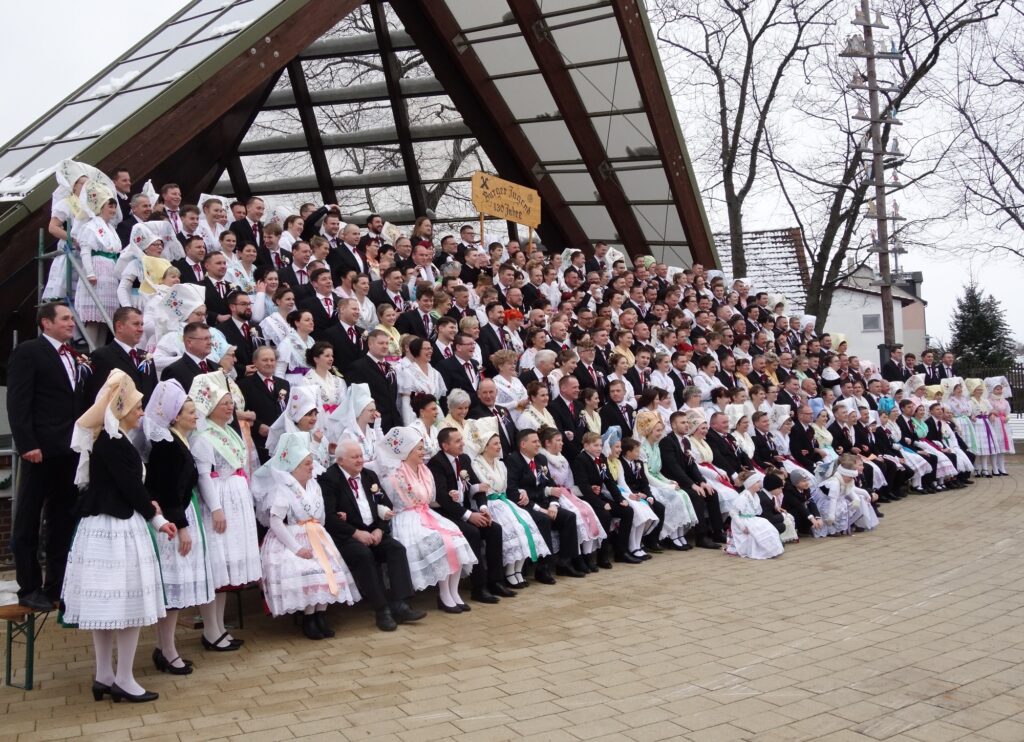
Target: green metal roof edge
147,114
679,131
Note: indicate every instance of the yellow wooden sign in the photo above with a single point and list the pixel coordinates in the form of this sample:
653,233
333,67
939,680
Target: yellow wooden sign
505,200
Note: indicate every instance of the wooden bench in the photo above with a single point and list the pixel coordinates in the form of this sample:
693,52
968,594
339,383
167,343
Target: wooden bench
21,629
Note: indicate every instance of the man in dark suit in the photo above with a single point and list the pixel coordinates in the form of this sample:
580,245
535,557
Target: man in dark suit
461,371
601,492
249,230
802,445
345,337
485,407
842,432
269,254
217,287
346,255
141,210
191,266
373,370
566,411
929,368
727,455
493,336
354,501
894,369
462,499
766,453
240,331
323,304
679,466
417,321
198,345
45,395
297,272
587,372
947,368
616,412
391,289
909,437
122,353
265,395
532,488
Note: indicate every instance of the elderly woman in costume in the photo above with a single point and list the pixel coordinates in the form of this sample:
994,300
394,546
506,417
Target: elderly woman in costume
357,419
521,541
751,535
511,392
101,247
679,514
700,449
415,374
302,568
112,586
437,551
172,309
645,520
458,410
590,533
172,480
998,395
224,462
302,414
836,501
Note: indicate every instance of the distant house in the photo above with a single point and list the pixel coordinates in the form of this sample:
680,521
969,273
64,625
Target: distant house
777,263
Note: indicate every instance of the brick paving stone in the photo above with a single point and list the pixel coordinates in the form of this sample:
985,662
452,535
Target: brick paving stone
901,634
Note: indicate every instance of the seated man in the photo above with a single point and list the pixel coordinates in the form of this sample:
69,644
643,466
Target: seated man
356,514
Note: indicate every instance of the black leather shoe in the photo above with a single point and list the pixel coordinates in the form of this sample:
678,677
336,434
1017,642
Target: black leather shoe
448,608
719,539
37,601
99,690
501,591
643,557
385,621
215,646
310,629
117,695
483,595
517,585
627,559
654,547
567,570
165,665
402,613
321,623
544,576
706,543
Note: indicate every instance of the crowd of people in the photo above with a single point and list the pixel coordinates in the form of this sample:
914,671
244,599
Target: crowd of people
309,406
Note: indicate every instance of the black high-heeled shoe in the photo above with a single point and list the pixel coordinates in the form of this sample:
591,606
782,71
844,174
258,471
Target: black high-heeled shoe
165,665
215,645
118,695
99,690
448,608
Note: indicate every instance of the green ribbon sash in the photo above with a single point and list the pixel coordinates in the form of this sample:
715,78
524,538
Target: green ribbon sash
515,512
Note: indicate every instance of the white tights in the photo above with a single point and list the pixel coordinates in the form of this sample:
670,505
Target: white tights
999,463
309,610
165,637
127,641
515,568
981,463
213,619
449,589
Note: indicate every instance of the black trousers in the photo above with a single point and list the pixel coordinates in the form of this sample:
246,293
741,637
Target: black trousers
800,507
565,525
620,538
47,488
709,516
365,564
486,544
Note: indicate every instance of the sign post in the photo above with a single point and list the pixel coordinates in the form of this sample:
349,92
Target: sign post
505,200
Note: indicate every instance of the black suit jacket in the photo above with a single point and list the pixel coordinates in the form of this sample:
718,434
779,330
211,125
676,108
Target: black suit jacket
454,374
932,374
893,371
445,482
802,445
384,389
587,381
171,476
124,228
338,498
42,405
184,370
637,480
841,441
587,474
765,449
340,259
244,232
345,351
265,404
490,344
507,431
568,422
188,274
612,415
379,295
111,356
265,260
677,464
521,478
727,457
115,481
244,346
286,275
321,320
216,304
411,323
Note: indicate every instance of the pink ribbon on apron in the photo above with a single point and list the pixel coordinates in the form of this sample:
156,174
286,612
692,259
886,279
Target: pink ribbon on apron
586,512
447,535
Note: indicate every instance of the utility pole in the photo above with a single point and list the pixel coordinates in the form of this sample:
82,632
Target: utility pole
864,48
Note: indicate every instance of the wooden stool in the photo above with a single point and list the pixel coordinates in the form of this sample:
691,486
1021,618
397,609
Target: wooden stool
21,625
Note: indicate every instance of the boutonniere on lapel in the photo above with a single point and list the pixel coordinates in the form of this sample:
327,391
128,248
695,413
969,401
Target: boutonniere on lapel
282,398
285,261
83,366
544,469
254,336
464,475
375,491
144,361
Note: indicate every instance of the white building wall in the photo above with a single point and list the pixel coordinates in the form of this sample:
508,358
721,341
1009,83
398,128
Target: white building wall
851,312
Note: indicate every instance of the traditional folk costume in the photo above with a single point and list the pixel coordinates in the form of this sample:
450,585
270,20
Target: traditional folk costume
998,393
411,380
521,540
436,549
645,520
291,357
750,535
100,247
295,516
589,531
342,425
330,390
301,401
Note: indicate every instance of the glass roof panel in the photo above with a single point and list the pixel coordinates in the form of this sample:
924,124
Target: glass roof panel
595,221
118,108
660,223
13,159
238,17
626,136
60,122
607,87
204,7
179,62
472,13
551,140
587,42
505,55
644,185
576,186
527,95
171,36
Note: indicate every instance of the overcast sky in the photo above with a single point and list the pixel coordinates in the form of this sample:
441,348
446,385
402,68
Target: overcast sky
39,76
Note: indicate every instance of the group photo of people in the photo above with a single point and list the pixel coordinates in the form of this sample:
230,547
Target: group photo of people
224,395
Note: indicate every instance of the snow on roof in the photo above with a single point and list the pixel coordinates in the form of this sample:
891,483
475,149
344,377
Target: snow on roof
776,263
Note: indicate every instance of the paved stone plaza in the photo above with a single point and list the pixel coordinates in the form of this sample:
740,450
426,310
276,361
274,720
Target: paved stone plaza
914,632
